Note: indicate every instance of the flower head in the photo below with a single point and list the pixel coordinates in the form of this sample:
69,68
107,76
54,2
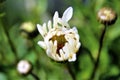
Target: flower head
60,41
107,16
24,67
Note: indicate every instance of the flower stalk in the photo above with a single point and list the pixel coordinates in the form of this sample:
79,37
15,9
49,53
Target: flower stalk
70,71
107,17
99,52
35,76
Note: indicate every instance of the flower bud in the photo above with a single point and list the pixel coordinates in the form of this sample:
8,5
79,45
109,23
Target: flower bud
24,67
28,30
107,16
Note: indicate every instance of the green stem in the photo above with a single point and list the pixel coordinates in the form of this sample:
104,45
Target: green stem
35,76
98,56
71,71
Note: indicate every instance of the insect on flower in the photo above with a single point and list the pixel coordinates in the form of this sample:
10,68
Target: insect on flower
60,41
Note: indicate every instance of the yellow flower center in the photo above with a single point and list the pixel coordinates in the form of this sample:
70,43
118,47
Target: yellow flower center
60,42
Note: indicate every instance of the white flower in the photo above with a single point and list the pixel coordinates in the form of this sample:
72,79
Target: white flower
60,41
24,67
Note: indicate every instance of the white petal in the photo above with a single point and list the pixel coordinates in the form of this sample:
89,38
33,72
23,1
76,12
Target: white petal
78,45
62,54
67,15
71,42
45,28
55,43
56,15
55,46
50,49
73,58
40,29
63,23
65,49
48,52
42,44
58,58
50,45
55,19
49,25
75,29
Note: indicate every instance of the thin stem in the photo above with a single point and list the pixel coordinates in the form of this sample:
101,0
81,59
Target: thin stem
98,56
35,76
71,71
11,43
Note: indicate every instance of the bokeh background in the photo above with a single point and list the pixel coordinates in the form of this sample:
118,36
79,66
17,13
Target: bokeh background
19,37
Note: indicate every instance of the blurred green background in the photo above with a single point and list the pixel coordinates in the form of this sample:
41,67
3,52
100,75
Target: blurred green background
19,37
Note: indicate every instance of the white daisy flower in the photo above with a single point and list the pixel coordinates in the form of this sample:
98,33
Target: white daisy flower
60,41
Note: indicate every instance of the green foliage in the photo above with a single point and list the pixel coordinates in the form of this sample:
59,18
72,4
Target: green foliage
15,47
